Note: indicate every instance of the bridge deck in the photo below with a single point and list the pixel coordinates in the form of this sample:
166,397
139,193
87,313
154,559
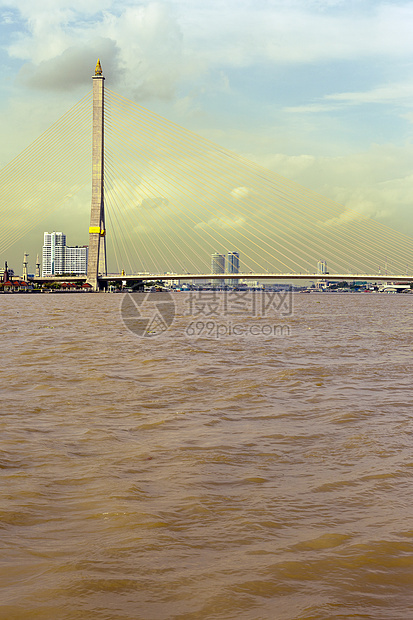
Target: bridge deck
231,276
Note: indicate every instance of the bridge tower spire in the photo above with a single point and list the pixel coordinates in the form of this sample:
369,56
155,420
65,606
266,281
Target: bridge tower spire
97,242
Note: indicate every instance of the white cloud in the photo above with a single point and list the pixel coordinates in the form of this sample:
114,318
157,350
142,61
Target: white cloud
153,202
376,183
7,18
401,92
303,32
141,43
239,193
160,43
74,67
222,223
363,208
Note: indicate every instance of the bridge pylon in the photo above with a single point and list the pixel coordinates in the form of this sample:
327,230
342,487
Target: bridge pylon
96,264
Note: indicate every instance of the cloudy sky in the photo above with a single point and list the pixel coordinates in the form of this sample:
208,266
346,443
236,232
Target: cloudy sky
320,91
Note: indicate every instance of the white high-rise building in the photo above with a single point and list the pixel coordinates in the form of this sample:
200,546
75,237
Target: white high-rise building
53,253
59,259
76,259
217,265
233,267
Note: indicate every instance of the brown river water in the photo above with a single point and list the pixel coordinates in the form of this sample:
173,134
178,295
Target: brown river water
193,474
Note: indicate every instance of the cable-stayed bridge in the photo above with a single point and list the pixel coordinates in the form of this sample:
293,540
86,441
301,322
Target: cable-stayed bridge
165,199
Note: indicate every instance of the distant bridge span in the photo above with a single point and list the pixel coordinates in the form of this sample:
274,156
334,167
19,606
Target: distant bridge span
262,276
139,277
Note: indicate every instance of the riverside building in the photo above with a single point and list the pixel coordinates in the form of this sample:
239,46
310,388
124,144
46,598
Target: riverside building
322,270
233,267
217,266
59,259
